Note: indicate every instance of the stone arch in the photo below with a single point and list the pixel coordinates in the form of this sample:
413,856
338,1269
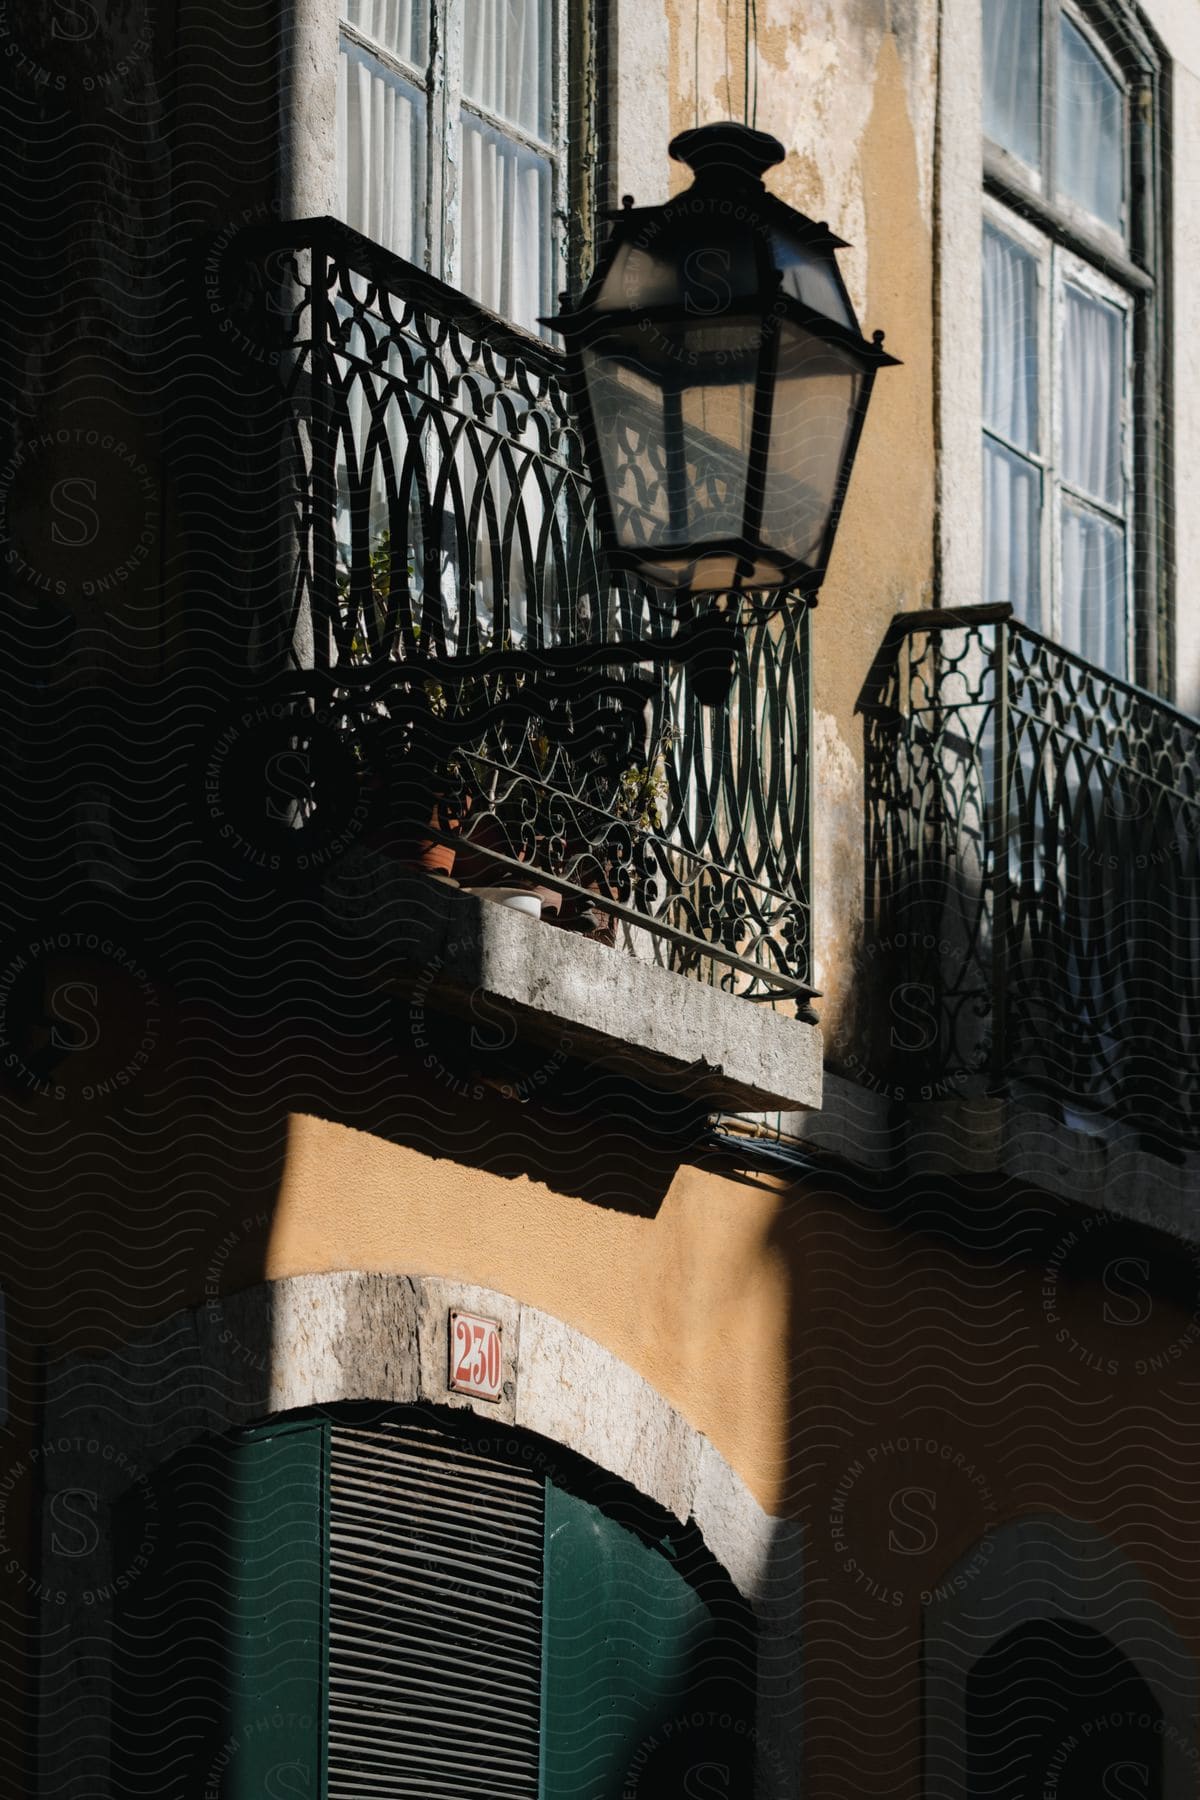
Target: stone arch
319,1340
1054,1708
1047,1570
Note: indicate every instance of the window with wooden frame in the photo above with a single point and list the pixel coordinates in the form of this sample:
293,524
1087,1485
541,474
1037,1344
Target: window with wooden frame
1073,328
454,142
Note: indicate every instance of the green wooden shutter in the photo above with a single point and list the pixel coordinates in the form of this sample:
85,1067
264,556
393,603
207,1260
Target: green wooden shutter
647,1675
219,1645
221,1650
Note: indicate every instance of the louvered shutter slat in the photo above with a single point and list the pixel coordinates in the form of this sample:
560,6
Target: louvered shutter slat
435,1618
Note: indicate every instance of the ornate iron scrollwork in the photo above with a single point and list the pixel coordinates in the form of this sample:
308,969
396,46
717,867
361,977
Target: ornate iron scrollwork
447,565
1033,837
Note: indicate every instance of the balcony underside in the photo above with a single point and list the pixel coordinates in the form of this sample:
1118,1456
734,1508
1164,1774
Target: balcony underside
447,950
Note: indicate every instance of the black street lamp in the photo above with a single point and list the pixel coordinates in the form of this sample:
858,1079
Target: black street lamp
721,379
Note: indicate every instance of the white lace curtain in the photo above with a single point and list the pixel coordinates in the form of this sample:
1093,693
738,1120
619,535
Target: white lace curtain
1089,362
382,139
506,225
1092,591
506,61
1012,62
504,228
1091,392
1012,482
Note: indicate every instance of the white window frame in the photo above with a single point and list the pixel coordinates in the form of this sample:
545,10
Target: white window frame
1071,244
1057,266
441,83
1068,269
1039,246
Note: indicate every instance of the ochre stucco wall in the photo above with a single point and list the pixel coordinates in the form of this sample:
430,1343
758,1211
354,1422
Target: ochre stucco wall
695,1296
849,88
880,1379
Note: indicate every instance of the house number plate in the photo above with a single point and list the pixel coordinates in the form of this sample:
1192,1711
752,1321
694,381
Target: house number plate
476,1365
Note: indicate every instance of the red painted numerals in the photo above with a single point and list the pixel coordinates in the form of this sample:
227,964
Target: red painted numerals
475,1359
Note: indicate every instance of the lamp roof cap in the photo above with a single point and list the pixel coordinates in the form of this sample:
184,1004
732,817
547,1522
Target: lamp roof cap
728,150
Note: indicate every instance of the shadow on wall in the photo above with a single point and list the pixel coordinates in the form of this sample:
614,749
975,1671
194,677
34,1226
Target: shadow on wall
963,1388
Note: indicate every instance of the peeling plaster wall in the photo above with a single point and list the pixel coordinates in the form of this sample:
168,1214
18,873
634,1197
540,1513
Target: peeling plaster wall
826,74
838,859
308,107
850,88
640,104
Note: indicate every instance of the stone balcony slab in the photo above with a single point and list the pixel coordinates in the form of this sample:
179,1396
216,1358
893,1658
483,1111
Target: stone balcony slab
634,1015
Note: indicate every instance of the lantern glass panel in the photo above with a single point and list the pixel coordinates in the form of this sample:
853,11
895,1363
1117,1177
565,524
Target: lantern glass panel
812,278
638,277
701,266
627,413
818,390
673,406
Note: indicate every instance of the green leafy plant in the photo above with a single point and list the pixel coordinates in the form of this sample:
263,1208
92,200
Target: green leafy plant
380,564
643,789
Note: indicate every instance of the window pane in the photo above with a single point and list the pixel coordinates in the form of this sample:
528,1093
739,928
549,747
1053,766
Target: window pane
1012,76
401,26
1092,377
507,51
1093,588
1010,339
1012,531
1090,129
381,153
506,224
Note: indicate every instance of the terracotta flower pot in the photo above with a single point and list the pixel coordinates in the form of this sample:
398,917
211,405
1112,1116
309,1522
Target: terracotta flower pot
404,837
432,855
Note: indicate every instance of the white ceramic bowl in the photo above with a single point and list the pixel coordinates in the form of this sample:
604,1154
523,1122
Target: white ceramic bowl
514,897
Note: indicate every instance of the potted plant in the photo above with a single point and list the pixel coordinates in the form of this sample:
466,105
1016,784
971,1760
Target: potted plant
504,828
427,792
420,794
640,802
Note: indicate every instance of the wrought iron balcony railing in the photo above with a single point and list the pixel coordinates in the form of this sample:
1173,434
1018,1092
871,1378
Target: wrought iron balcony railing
446,565
1033,853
